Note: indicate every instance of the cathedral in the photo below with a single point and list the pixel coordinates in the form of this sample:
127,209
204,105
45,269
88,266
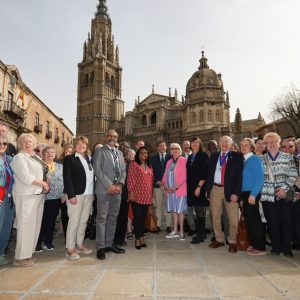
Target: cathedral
202,112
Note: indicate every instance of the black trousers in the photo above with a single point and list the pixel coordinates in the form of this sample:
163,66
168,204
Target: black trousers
255,227
122,220
64,217
51,210
279,219
296,223
139,218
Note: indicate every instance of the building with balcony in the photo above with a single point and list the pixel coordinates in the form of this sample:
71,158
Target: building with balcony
23,111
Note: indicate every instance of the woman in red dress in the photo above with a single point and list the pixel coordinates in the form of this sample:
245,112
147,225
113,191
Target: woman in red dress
140,189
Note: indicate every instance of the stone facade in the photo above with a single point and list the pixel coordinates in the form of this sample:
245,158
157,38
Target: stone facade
23,111
99,103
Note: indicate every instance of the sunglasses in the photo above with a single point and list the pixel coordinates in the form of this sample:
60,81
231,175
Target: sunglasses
3,144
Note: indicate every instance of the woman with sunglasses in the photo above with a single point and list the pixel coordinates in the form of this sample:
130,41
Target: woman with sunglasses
29,191
6,201
52,200
78,177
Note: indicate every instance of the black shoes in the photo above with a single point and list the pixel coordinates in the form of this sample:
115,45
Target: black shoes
197,240
168,229
275,252
138,244
101,253
158,230
288,254
114,249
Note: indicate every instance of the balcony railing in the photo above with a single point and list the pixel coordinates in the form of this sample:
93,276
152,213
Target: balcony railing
13,110
49,134
38,128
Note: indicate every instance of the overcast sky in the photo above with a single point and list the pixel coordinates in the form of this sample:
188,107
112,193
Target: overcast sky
254,44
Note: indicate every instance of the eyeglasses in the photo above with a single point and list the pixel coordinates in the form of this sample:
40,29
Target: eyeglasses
3,144
290,146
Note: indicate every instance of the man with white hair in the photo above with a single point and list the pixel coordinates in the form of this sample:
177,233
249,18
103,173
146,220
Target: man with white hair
224,185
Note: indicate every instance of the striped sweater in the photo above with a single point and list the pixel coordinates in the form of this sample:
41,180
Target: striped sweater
284,173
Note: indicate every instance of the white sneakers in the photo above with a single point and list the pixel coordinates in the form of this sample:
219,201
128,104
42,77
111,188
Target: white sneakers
172,235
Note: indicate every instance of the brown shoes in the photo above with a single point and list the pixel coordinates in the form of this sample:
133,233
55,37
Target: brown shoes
232,248
215,244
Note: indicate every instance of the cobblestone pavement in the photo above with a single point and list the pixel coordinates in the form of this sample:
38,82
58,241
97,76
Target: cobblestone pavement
166,269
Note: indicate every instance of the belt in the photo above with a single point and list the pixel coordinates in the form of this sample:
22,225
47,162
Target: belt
219,185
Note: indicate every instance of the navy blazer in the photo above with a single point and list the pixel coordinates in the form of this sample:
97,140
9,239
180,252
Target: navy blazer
233,174
158,168
74,176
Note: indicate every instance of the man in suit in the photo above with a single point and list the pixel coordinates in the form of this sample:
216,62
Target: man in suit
110,170
186,147
159,162
224,185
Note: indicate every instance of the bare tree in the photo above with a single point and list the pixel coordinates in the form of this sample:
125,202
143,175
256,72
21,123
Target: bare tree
287,107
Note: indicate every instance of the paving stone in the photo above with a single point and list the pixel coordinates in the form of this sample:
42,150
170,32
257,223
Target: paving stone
135,282
54,297
9,296
188,298
176,260
286,280
241,282
85,261
119,297
71,280
25,277
179,283
172,245
132,259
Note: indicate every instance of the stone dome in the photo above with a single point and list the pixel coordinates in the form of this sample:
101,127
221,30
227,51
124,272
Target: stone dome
204,77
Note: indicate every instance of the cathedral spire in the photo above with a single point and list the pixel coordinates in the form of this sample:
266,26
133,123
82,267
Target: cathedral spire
203,62
102,9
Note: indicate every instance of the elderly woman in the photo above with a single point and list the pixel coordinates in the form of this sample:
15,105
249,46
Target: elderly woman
28,193
6,201
78,177
197,169
253,179
52,200
174,181
140,189
280,175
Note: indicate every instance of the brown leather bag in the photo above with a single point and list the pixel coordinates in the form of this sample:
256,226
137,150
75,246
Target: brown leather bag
151,220
242,237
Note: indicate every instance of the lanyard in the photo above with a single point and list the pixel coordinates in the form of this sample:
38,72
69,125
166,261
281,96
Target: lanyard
222,161
273,158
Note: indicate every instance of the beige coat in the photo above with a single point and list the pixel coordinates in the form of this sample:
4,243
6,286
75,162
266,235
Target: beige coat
26,170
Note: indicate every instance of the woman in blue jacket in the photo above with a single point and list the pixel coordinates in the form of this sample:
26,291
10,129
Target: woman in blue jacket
253,179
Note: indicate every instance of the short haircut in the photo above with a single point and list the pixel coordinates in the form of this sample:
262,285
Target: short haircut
23,136
176,146
48,148
252,144
272,135
84,140
111,131
160,142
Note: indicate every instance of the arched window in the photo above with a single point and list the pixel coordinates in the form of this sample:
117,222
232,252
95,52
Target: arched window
153,118
180,124
144,120
217,116
201,116
194,118
169,126
92,76
173,125
112,81
209,116
177,124
107,80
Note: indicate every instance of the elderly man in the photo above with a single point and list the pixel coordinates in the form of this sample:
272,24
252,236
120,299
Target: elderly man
186,149
224,186
110,170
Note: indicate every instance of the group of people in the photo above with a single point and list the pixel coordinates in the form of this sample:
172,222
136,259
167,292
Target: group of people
259,178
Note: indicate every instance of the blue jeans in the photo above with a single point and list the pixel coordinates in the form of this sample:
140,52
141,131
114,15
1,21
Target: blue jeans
6,222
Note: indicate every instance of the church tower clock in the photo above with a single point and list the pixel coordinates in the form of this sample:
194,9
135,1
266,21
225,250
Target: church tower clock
99,103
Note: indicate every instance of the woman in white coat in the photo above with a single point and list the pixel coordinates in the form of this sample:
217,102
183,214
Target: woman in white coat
29,195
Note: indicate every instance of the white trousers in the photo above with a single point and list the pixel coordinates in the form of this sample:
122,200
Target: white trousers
160,203
29,214
78,217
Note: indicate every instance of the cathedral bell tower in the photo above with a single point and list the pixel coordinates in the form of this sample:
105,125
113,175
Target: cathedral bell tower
99,103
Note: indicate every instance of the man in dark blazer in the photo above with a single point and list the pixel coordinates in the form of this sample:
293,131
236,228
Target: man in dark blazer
158,163
224,185
110,170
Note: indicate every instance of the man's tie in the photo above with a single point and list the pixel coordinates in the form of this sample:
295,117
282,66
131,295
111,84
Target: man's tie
223,168
162,159
115,157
